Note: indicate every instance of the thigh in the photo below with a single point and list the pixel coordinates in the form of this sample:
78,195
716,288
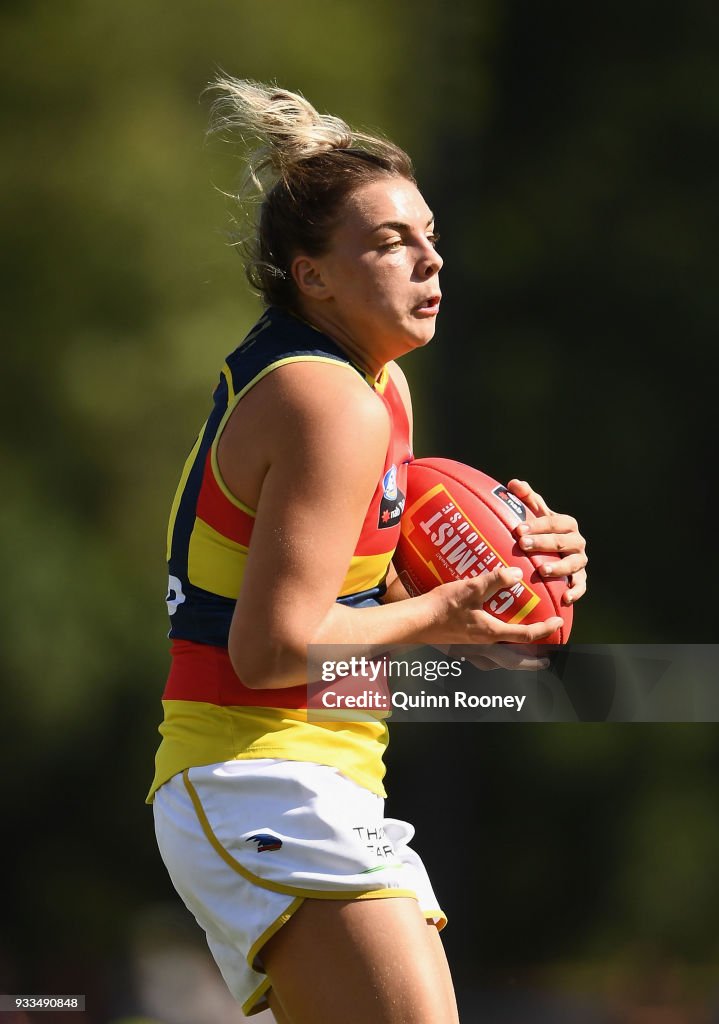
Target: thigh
360,960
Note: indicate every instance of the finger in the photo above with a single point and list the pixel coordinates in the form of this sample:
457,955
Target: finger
488,584
526,663
568,566
555,522
552,542
482,663
530,497
512,657
518,663
529,634
577,587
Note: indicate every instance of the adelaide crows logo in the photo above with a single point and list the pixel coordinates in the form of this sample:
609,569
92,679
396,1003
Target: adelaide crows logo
392,502
265,842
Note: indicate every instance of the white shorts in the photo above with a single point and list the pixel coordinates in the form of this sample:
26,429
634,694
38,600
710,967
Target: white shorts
245,842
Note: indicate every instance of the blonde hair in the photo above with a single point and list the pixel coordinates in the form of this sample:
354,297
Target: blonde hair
303,165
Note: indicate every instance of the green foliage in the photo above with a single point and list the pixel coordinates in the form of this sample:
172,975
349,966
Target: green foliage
123,296
564,157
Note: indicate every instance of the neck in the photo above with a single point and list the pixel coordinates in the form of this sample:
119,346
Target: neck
370,362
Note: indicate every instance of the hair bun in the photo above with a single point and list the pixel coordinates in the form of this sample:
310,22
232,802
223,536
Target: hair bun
287,127
301,197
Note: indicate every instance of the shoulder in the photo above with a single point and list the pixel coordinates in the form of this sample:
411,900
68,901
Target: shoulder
306,419
322,389
306,405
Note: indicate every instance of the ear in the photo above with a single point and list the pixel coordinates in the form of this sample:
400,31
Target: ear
307,275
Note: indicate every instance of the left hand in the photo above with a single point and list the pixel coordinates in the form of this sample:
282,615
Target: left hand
553,533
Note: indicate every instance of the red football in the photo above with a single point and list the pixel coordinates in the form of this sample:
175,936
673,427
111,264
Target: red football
457,523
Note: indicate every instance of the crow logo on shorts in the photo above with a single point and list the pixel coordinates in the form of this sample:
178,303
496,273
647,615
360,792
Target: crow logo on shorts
265,842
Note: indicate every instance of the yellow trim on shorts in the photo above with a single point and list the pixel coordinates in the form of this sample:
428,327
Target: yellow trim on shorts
255,997
286,890
266,983
270,931
437,912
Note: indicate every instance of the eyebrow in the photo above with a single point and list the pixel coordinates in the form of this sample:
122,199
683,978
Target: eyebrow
398,225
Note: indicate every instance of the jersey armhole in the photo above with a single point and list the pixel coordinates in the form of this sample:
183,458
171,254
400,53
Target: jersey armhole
232,402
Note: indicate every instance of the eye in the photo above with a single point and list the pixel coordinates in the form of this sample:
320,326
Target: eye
392,246
433,238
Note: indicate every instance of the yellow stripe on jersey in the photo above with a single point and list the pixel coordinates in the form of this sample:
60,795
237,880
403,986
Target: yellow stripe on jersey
200,732
217,564
365,572
181,488
214,562
197,733
227,374
381,383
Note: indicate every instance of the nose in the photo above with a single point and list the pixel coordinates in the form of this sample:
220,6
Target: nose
431,262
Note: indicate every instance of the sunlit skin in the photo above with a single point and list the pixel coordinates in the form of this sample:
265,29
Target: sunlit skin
376,290
308,448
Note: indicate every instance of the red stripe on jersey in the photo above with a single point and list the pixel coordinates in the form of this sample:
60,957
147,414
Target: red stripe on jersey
218,511
397,409
204,673
374,541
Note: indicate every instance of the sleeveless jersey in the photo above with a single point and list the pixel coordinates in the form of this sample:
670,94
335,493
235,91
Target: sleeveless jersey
209,716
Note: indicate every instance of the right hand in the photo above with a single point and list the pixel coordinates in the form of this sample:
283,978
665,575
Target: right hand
461,618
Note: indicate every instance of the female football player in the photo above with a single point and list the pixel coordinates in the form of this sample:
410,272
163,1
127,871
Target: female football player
269,817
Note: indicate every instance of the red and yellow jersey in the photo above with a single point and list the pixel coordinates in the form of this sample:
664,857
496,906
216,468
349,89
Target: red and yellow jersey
209,715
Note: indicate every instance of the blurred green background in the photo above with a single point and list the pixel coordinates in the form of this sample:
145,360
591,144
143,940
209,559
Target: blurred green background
566,153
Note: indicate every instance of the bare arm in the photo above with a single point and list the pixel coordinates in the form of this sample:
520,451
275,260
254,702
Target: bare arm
325,434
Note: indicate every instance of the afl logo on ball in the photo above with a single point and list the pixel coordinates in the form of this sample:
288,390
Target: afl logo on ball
392,503
511,502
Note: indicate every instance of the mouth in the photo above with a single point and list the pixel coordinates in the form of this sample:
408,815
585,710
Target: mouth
428,306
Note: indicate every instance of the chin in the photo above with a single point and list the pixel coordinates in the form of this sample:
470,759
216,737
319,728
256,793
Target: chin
412,336
423,337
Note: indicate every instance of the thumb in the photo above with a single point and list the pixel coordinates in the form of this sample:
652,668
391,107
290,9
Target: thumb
499,579
521,489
